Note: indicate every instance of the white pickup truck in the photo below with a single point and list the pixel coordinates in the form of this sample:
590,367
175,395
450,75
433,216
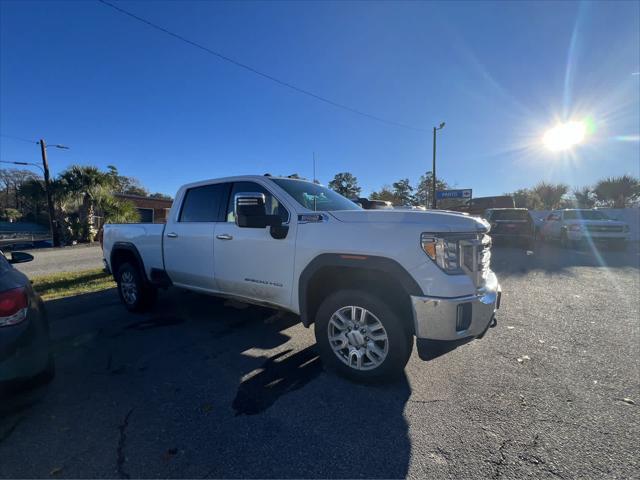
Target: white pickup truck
369,280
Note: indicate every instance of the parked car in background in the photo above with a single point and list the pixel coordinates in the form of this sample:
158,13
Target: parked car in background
373,204
411,207
576,227
511,225
25,356
477,206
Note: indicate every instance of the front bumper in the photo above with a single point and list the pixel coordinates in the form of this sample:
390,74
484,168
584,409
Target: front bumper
596,237
454,319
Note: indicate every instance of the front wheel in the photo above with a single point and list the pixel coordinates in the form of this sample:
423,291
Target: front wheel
361,337
134,292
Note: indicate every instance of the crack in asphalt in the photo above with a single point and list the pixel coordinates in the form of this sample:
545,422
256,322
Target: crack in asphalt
7,433
120,456
501,461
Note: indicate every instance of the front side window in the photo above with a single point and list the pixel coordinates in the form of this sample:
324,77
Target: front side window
272,205
313,196
202,204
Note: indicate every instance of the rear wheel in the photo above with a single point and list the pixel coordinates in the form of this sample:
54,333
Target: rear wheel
135,293
361,337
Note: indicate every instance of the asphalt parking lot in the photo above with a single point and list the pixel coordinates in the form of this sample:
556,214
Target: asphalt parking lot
204,388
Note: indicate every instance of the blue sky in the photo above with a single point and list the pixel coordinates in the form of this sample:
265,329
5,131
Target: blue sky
118,92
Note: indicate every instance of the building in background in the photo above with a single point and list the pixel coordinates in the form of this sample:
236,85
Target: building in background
152,210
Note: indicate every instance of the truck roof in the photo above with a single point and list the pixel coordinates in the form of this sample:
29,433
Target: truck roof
240,178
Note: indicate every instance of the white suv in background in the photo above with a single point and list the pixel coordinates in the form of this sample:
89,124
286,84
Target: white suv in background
573,227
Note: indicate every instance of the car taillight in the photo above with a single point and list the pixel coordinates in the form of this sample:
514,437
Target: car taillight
13,306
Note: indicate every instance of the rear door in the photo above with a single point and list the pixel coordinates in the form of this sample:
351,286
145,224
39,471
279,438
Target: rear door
188,237
249,262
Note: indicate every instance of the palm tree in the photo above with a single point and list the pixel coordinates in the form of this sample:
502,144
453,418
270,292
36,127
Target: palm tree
550,194
618,191
84,187
584,197
118,211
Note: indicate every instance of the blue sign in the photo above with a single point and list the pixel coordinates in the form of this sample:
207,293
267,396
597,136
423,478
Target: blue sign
442,194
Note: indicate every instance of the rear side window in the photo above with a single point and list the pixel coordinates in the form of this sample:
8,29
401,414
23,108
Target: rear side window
203,204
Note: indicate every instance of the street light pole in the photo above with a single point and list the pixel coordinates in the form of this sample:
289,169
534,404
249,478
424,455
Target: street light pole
433,171
47,187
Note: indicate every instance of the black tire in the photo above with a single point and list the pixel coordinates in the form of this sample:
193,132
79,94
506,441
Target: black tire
136,294
399,341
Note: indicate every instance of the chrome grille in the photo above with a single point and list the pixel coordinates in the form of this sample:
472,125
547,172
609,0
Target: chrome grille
604,228
476,258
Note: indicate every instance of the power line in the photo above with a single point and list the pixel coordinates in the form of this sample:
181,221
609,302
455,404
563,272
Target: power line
258,72
18,138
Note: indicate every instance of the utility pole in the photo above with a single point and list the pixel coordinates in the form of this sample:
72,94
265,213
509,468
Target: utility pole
433,170
47,187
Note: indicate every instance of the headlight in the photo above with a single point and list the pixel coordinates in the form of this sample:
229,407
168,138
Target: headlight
575,228
442,249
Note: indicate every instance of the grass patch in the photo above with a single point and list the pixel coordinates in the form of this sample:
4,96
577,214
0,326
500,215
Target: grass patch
69,284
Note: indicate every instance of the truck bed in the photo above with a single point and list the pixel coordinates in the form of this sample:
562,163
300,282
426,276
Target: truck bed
147,238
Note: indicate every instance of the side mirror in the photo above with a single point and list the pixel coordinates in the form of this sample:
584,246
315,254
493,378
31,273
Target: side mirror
20,257
249,209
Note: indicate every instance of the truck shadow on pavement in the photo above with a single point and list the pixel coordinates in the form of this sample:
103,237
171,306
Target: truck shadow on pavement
237,391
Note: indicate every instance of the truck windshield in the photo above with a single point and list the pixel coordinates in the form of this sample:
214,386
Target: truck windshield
510,215
315,197
584,215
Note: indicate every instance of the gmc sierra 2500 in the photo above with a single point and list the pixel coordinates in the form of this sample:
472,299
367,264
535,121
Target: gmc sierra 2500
369,280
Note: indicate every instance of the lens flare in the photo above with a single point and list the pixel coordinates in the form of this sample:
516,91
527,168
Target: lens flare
565,136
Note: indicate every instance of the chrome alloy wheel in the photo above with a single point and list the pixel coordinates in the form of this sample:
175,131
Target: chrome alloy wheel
128,288
358,338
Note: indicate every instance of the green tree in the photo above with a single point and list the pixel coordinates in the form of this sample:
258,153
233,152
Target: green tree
161,196
124,184
345,184
618,192
424,189
85,187
10,214
33,200
115,210
584,197
526,198
403,192
385,194
550,194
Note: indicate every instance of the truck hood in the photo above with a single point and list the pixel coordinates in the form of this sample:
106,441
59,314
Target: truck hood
434,220
609,223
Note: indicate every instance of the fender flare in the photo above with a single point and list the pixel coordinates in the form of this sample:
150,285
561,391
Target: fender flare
130,247
350,260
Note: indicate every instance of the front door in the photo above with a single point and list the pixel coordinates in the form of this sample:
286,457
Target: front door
188,239
249,262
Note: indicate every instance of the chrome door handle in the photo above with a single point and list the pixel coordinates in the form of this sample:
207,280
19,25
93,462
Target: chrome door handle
224,236
172,235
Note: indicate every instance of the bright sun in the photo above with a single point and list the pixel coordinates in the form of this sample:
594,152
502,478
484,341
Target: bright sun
564,136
